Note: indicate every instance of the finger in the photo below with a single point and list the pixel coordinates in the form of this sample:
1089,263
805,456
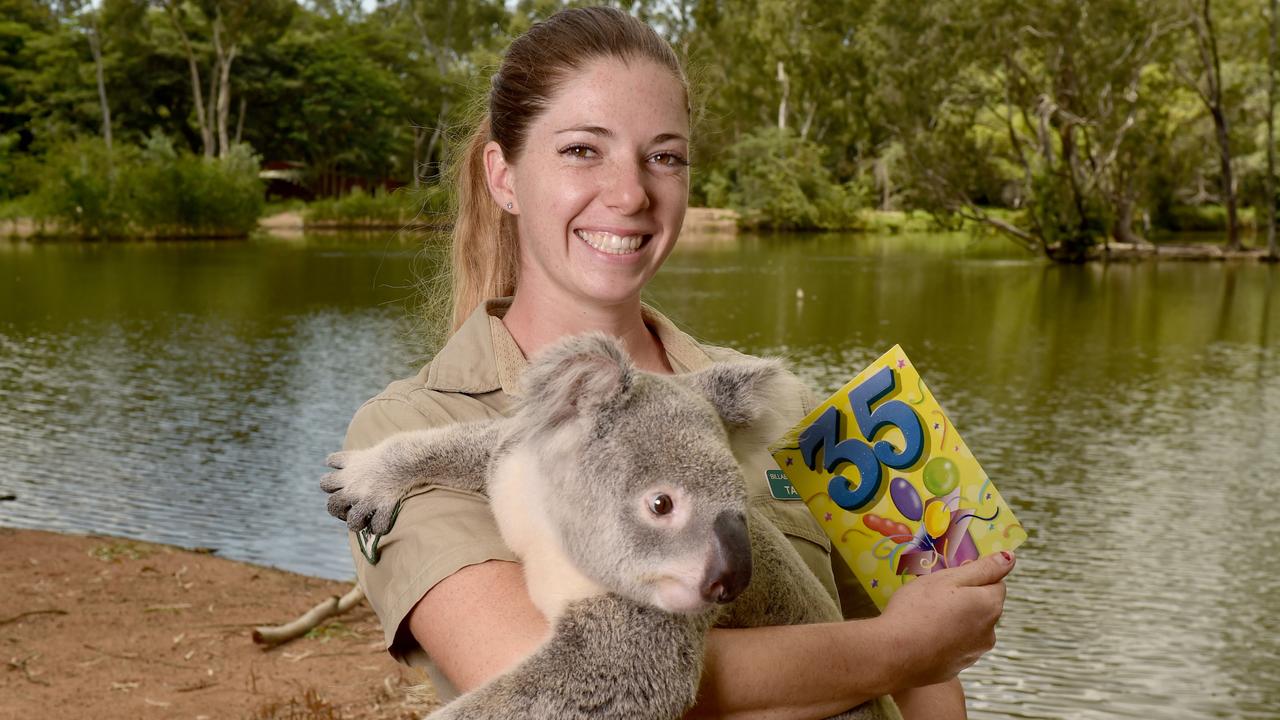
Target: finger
358,516
338,506
331,482
381,522
984,571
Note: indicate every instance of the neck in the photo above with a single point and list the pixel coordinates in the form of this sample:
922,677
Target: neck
535,322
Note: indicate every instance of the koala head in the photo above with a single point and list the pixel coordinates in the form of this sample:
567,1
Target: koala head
647,496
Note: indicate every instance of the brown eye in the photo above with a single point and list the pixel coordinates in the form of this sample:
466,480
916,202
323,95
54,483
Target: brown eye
661,504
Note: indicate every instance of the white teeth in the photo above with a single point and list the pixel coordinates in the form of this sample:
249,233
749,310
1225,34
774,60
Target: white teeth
610,243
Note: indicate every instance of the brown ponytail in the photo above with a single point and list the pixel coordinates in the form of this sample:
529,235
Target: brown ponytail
485,248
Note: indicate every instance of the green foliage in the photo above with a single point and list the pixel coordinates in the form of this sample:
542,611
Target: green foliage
83,190
426,205
174,193
1080,118
1065,220
79,189
776,180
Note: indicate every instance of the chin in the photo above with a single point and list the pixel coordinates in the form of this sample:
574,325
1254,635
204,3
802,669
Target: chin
674,597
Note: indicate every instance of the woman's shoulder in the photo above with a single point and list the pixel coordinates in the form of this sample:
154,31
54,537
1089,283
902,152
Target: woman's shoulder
412,404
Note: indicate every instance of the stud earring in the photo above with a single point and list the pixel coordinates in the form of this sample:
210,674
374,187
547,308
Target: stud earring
508,206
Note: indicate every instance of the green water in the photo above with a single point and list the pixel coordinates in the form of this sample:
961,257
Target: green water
187,392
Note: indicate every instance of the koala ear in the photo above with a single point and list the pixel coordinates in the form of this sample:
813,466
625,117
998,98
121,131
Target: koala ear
740,390
574,378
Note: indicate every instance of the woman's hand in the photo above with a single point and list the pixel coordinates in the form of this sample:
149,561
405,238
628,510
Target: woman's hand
943,622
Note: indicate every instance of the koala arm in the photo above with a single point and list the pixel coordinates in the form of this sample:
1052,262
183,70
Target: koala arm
608,658
366,485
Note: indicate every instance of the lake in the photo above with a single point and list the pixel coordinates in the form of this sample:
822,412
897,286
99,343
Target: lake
1130,413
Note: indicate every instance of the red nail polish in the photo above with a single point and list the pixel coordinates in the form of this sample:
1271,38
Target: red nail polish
1007,557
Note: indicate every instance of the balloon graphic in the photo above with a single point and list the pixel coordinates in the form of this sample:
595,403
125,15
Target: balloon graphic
905,498
941,476
937,518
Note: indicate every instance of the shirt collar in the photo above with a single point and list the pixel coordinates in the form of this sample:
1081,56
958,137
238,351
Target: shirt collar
482,356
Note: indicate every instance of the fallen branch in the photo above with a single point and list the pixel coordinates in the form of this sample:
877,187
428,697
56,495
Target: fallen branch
334,605
29,613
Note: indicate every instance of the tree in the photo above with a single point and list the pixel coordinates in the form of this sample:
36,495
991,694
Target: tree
436,39
1208,85
229,24
1036,106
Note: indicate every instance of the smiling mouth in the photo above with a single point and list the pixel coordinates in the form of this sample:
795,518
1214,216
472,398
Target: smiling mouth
612,244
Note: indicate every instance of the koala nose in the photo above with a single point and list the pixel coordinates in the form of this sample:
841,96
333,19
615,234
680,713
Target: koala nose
729,571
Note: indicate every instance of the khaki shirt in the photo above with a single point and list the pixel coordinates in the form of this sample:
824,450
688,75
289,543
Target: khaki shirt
441,530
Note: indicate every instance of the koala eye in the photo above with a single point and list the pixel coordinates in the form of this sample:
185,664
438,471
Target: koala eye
661,504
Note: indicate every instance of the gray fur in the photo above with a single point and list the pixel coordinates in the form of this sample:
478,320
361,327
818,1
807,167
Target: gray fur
602,436
367,486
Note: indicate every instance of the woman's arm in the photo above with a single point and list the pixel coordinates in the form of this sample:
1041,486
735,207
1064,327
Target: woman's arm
479,622
944,701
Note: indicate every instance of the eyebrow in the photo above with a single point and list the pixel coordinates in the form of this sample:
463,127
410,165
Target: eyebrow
606,132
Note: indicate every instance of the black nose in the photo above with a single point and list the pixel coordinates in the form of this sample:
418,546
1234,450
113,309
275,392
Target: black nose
729,571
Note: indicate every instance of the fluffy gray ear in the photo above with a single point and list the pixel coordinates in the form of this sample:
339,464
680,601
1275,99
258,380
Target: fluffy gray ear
740,390
575,377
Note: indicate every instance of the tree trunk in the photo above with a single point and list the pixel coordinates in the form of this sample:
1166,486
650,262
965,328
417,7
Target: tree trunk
417,155
1228,182
786,91
810,112
1269,206
436,134
240,122
1208,41
223,59
1122,230
197,94
95,46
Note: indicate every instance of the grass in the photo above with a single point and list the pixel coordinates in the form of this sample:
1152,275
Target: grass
120,550
310,706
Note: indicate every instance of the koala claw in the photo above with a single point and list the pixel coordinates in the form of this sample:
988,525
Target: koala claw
362,490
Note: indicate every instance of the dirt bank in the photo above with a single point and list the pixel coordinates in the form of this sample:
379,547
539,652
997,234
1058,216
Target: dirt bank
108,628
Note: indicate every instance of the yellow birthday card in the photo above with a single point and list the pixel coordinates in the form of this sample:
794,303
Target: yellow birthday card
887,476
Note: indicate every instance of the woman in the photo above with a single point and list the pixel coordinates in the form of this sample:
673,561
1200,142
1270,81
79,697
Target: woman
572,192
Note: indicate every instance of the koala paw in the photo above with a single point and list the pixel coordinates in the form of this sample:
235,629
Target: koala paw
361,490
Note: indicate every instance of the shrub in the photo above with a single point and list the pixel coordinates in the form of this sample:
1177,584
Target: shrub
184,194
403,206
775,179
155,192
80,188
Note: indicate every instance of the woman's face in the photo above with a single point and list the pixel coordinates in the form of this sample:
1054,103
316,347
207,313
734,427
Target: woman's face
601,185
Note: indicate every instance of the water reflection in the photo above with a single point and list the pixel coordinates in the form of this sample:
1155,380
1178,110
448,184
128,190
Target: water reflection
187,392
1128,412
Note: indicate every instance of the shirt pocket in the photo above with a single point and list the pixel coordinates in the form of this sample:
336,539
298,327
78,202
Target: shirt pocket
793,519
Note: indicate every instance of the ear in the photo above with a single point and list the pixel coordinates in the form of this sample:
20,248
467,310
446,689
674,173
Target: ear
575,378
740,390
499,177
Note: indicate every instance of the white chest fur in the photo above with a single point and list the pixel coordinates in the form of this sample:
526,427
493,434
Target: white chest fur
519,498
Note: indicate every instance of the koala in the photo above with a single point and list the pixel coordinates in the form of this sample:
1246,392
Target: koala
620,492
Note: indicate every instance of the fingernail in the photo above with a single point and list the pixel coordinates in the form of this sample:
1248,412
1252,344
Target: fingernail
1007,556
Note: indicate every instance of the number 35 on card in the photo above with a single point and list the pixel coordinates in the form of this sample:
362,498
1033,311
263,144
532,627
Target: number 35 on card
889,479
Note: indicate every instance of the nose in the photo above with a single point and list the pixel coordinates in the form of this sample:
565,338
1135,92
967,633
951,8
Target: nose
626,192
729,570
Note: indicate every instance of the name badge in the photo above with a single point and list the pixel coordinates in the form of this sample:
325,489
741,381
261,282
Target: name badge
780,487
